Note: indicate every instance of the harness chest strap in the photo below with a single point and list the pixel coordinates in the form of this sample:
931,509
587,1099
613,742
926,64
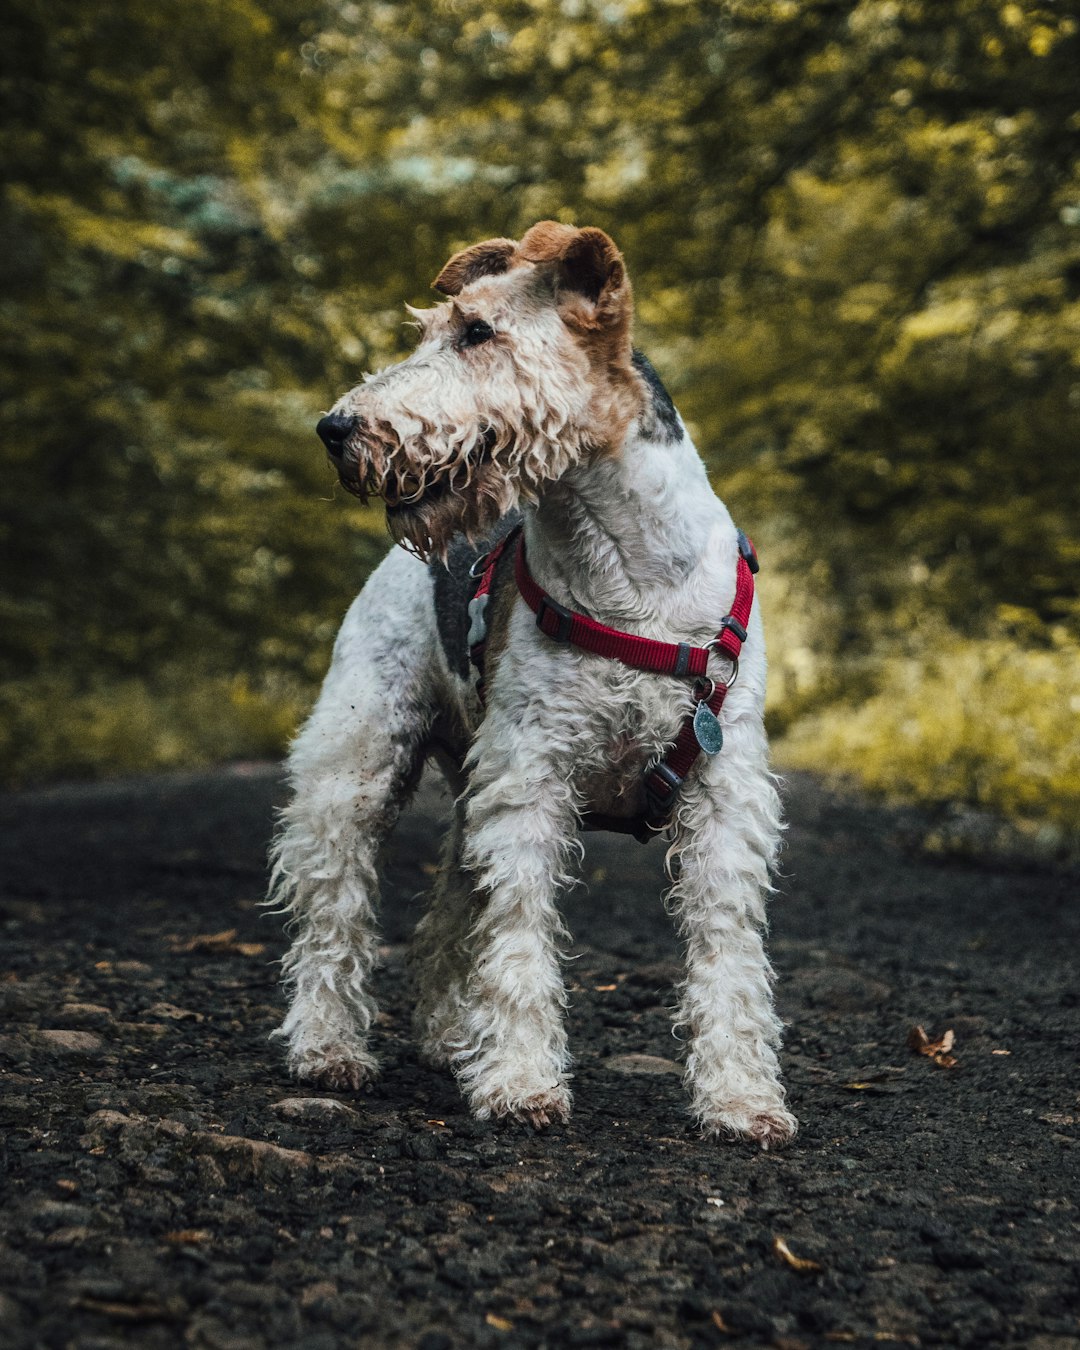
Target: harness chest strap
477,638
664,778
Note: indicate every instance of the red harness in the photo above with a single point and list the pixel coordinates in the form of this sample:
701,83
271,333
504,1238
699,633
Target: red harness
700,729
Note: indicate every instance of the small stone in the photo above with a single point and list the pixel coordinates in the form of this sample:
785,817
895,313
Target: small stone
642,1064
64,1042
316,1111
171,1013
85,1014
318,1293
68,1237
253,1159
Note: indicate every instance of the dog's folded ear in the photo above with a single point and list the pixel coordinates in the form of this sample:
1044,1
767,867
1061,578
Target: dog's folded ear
592,288
487,259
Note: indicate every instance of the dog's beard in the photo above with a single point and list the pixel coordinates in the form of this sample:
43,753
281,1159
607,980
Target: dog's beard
431,497
426,524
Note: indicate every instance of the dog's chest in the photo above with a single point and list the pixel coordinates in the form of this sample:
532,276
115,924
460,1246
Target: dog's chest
614,785
625,730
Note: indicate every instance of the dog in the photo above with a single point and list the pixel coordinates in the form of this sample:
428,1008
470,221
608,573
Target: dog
526,444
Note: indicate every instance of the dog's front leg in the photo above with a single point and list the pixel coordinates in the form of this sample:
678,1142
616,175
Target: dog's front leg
512,1055
728,827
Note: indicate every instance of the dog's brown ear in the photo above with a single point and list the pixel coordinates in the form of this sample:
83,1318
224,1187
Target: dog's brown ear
488,259
592,287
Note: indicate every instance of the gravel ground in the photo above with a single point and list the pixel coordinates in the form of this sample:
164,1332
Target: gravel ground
165,1184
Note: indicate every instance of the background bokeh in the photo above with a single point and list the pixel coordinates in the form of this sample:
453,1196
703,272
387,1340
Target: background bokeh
854,230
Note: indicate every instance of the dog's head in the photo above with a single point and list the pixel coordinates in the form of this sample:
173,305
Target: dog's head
521,374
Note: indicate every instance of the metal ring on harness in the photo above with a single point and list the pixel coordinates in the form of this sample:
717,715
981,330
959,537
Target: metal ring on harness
476,571
704,698
714,646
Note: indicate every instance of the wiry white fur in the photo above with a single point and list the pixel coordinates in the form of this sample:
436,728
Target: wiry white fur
349,770
527,397
637,539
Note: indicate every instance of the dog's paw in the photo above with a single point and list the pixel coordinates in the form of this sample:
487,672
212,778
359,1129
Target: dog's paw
772,1127
548,1106
337,1067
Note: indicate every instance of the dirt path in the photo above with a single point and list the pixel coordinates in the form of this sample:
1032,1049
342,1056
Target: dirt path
159,1193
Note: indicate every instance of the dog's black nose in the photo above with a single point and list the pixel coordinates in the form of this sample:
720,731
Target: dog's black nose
334,430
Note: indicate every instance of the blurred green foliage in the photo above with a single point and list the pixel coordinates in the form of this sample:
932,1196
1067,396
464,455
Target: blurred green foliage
854,230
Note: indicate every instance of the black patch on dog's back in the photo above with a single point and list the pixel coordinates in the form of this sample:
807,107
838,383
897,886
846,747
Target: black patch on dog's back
665,427
454,588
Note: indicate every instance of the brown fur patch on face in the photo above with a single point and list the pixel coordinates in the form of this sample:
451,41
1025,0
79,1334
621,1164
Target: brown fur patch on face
546,241
491,257
595,300
453,439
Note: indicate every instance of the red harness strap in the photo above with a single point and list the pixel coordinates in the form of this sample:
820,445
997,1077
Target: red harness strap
566,625
477,639
664,778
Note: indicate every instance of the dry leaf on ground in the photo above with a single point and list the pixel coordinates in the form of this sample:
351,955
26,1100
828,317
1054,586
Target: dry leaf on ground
938,1051
224,941
782,1250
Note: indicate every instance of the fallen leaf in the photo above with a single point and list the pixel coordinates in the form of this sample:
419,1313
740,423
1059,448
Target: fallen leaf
782,1250
605,988
499,1323
1001,1052
719,1323
204,942
884,1082
124,1312
937,1051
225,941
187,1237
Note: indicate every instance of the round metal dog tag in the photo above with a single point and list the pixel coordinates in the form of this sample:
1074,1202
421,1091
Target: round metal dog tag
707,729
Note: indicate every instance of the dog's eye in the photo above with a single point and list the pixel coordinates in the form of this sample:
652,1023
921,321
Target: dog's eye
476,332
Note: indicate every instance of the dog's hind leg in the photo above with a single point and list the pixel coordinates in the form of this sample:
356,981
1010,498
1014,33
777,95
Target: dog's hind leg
351,769
728,829
440,954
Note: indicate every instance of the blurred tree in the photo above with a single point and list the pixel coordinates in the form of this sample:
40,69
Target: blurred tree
158,340
854,227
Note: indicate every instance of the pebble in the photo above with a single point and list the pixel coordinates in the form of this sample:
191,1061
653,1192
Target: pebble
63,1042
253,1159
85,1014
642,1064
316,1111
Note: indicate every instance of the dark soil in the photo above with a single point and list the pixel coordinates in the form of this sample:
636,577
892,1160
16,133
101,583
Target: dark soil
157,1193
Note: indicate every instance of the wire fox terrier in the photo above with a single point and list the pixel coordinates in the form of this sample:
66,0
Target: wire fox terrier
525,410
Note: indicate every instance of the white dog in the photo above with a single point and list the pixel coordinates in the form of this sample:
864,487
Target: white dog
525,394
